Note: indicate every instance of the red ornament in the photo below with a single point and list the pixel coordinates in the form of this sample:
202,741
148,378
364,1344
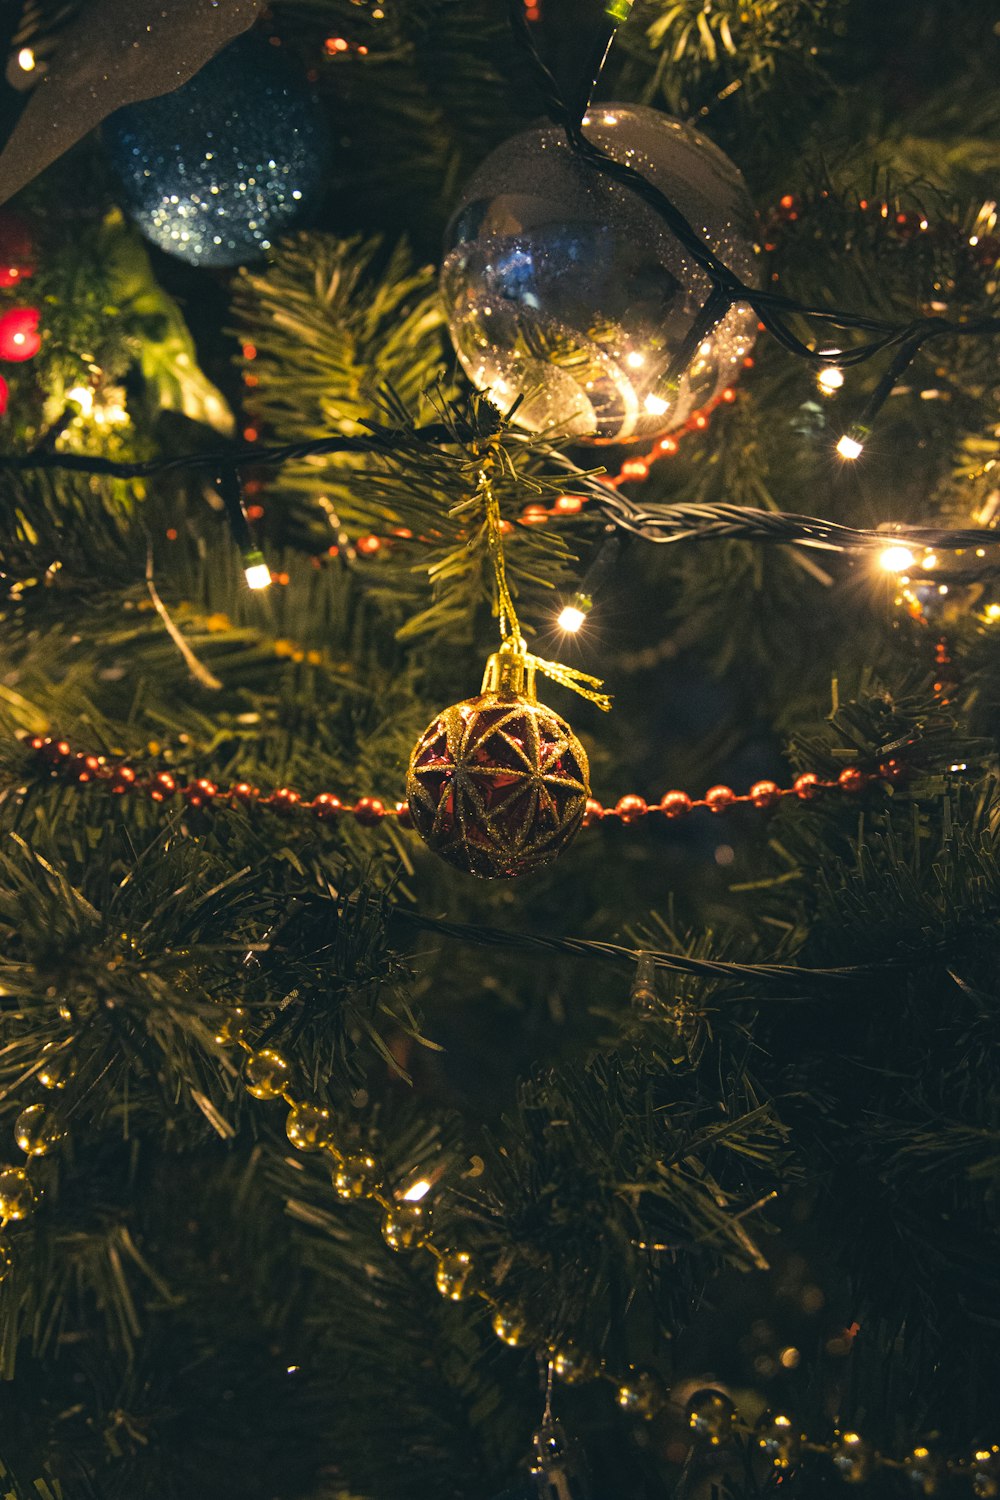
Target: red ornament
498,785
19,336
675,804
4,395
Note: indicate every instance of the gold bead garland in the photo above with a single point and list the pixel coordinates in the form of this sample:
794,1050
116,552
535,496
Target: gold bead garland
711,1416
37,1130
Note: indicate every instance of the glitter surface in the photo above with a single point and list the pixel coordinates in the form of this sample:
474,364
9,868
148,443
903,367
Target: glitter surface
561,285
215,170
498,785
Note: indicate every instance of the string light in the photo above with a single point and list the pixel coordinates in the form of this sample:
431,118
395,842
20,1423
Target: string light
417,1191
26,60
258,574
571,619
850,446
896,559
830,379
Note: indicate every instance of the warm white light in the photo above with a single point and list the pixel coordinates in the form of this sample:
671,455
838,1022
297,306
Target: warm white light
635,360
417,1191
930,561
656,405
26,59
896,559
84,398
993,611
18,338
570,619
258,576
849,447
830,378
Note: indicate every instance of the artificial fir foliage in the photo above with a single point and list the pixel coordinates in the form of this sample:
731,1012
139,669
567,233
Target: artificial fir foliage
670,1166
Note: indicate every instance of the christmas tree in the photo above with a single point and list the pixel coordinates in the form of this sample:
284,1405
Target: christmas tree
417,1081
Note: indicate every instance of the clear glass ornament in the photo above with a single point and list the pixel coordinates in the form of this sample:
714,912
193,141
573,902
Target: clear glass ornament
561,285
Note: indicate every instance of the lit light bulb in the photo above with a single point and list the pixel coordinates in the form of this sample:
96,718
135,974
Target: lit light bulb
417,1190
84,398
830,379
849,447
930,561
993,611
655,405
896,559
26,60
258,574
570,619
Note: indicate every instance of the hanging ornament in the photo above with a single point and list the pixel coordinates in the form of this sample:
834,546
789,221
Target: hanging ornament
498,785
214,171
19,336
561,285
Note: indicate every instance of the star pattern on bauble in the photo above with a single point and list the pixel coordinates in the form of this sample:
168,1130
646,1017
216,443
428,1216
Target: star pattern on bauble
498,785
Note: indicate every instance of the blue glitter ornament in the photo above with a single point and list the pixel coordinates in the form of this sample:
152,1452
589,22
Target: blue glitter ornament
215,170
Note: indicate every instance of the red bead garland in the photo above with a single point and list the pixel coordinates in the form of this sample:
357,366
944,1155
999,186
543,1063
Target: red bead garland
162,786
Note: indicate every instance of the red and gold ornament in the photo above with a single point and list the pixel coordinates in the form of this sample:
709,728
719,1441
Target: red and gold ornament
498,785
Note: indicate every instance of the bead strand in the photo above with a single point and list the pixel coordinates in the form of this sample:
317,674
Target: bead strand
37,1131
711,1416
78,768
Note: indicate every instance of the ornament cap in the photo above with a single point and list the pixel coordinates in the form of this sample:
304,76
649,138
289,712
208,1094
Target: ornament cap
511,671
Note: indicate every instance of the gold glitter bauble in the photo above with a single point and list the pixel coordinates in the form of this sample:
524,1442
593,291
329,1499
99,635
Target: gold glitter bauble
454,1275
406,1226
642,1394
36,1130
509,1327
17,1197
308,1127
498,785
356,1176
266,1074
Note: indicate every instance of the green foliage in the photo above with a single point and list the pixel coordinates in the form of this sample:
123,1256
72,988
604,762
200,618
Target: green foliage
191,1312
